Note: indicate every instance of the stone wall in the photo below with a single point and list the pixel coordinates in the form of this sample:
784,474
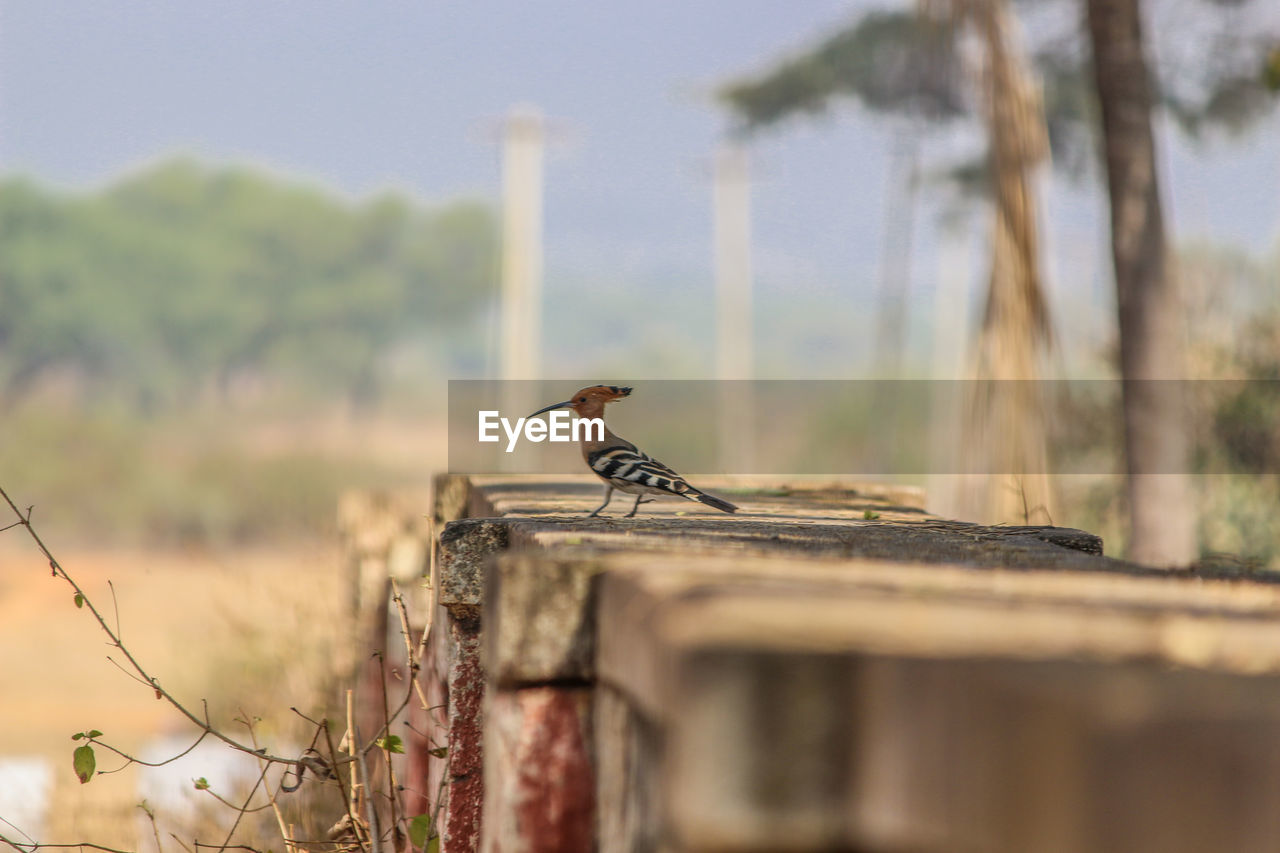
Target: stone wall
834,669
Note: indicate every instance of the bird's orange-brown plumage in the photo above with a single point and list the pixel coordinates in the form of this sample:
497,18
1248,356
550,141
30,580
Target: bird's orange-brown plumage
619,463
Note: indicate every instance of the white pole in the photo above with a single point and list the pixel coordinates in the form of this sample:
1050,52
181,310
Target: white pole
734,338
522,156
733,263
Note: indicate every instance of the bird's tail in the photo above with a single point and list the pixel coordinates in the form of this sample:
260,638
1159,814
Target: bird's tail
713,501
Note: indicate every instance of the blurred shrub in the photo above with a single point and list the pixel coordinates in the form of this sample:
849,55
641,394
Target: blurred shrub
186,281
113,478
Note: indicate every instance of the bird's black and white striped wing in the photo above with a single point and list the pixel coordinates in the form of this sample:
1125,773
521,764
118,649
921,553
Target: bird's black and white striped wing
630,470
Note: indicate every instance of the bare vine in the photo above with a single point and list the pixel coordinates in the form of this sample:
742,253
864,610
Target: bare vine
324,761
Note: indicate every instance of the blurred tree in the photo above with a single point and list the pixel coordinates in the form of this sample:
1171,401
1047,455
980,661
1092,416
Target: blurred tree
908,63
904,63
898,65
1162,529
185,280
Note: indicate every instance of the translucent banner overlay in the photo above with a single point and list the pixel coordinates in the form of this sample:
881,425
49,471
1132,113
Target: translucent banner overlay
875,428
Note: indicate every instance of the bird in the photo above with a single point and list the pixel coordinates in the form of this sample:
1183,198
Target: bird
619,463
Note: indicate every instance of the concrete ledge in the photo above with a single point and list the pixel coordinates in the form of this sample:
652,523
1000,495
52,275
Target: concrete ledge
540,794
872,706
464,548
540,619
832,668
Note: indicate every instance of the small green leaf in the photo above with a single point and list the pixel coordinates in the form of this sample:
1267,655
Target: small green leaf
94,733
433,846
79,599
84,762
202,784
1271,70
870,514
419,829
77,736
391,743
438,752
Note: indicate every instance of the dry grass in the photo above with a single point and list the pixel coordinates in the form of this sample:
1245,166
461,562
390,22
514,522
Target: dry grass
245,629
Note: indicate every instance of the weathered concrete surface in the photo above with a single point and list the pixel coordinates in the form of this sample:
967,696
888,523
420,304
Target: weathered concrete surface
464,786
540,618
463,550
628,753
545,629
540,793
767,681
762,502
863,705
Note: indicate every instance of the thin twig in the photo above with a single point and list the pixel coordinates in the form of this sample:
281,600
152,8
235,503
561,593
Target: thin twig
132,760
24,847
150,680
115,602
241,811
271,796
151,816
391,773
181,843
414,655
375,832
129,674
15,828
342,786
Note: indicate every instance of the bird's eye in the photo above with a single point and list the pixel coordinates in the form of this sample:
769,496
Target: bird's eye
582,399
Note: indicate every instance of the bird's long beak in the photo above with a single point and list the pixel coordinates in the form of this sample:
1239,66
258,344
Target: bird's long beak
566,404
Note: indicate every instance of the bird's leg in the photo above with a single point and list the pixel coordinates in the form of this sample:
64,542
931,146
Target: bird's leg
640,499
608,496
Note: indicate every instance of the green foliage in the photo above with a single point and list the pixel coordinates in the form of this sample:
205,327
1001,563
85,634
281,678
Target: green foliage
888,61
1271,69
390,743
106,476
419,829
1244,426
1233,307
84,762
908,64
185,280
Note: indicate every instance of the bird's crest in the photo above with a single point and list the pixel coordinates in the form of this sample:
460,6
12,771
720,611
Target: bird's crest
599,395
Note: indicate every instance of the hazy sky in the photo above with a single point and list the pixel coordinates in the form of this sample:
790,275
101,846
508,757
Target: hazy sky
362,96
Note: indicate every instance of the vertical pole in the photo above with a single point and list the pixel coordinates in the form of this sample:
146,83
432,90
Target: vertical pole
733,264
895,253
734,338
945,493
524,140
522,244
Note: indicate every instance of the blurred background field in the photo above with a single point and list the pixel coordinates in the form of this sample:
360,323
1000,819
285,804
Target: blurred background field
243,248
208,356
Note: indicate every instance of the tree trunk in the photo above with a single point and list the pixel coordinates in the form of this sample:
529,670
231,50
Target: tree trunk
1004,430
1152,345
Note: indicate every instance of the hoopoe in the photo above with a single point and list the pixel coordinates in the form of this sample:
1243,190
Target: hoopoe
620,463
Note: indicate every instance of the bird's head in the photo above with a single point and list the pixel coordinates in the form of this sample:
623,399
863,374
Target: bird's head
589,402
